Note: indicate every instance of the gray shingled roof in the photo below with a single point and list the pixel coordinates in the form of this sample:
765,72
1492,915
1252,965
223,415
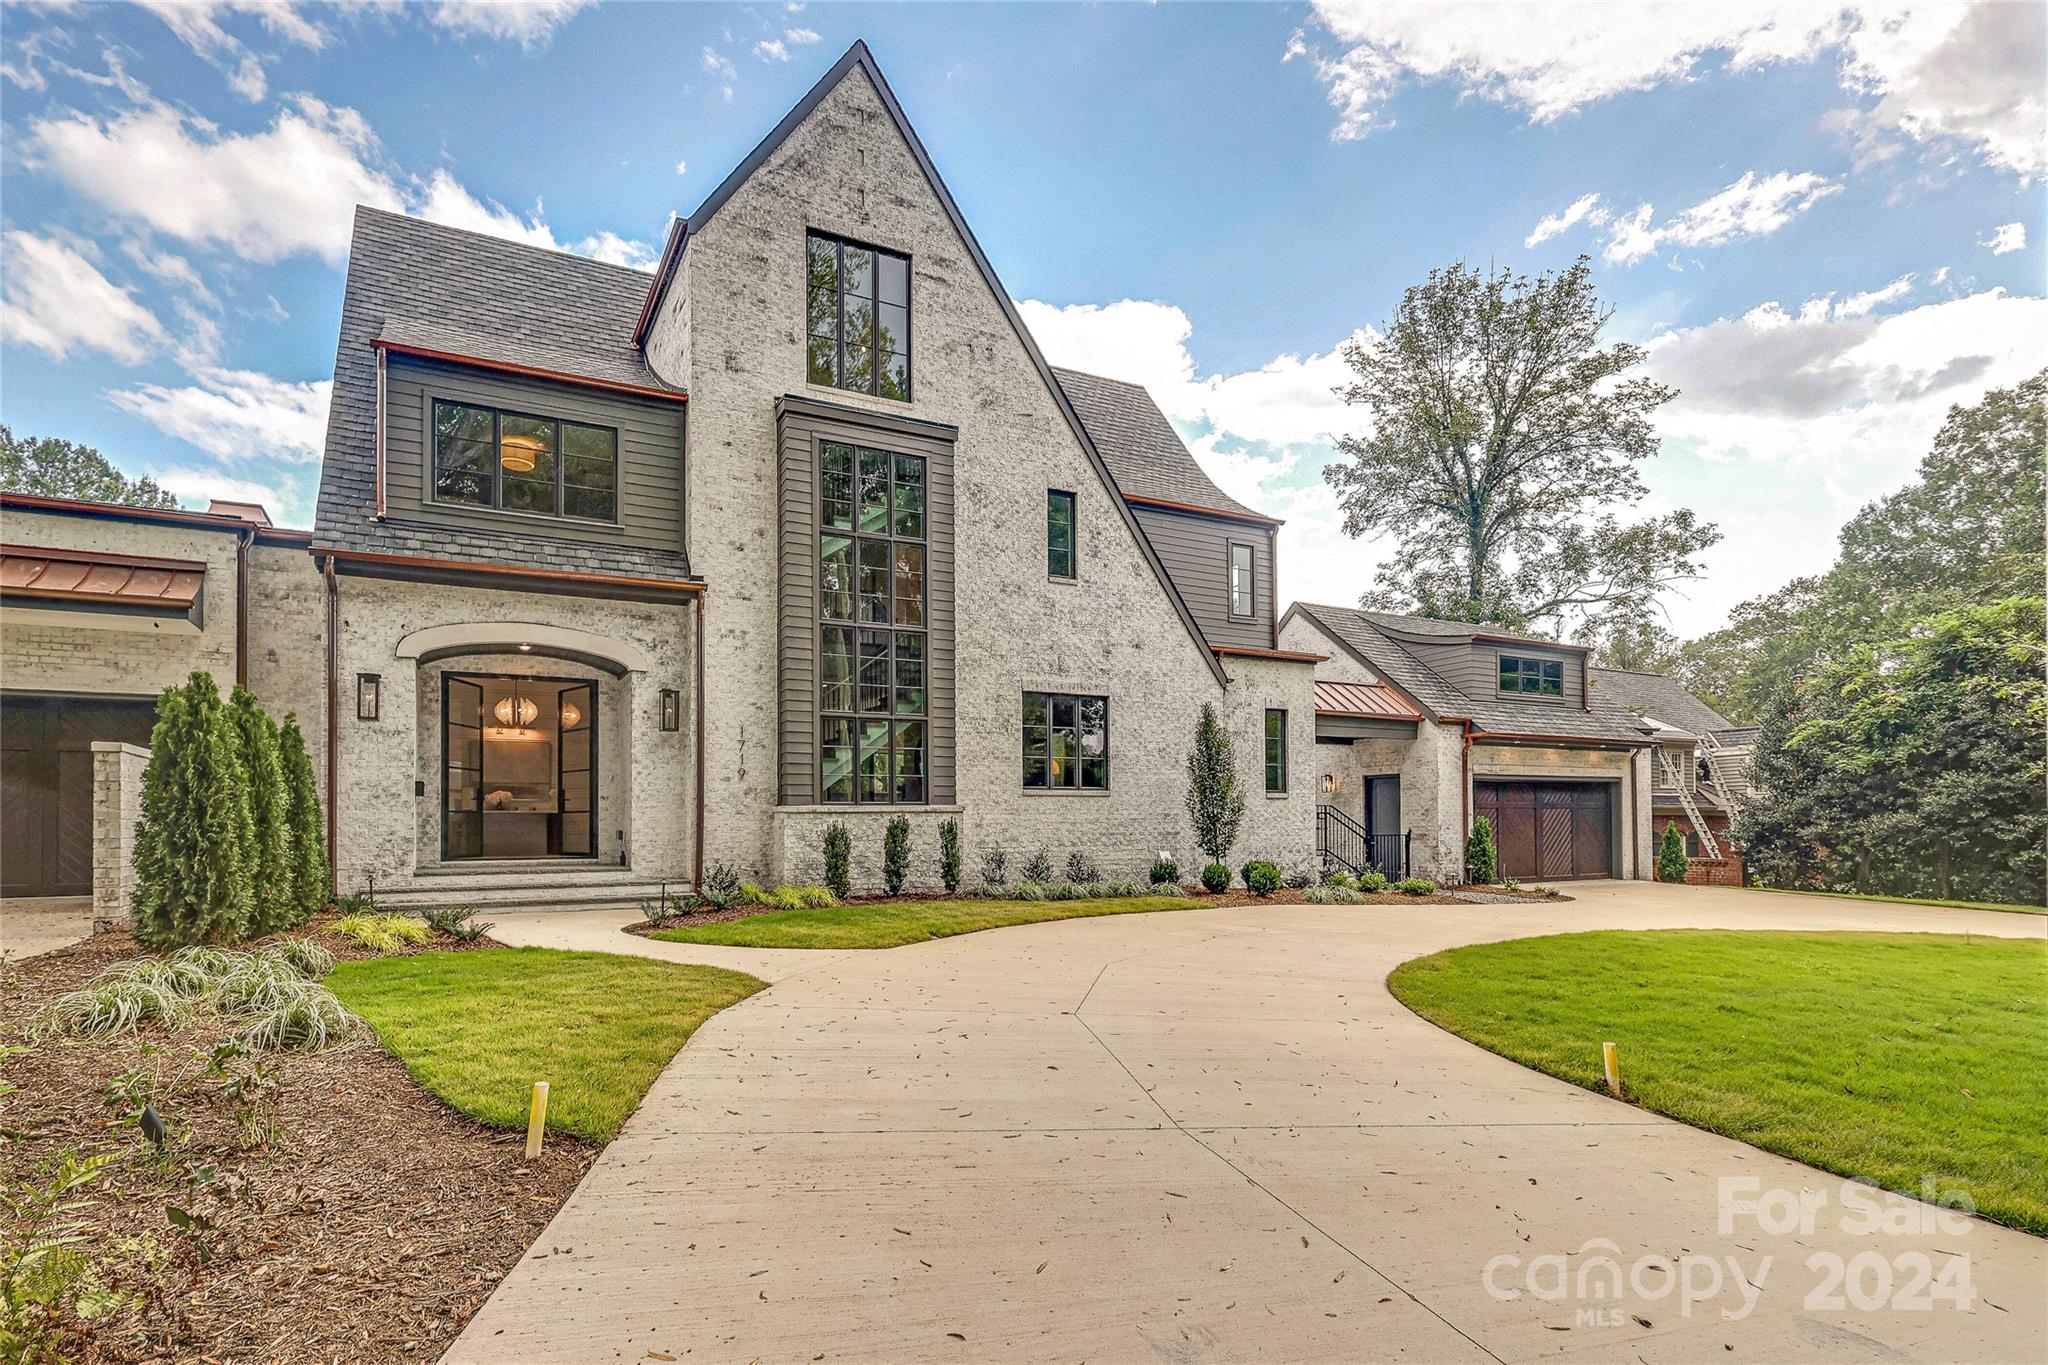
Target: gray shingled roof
1453,630
1361,631
1143,451
1659,697
442,288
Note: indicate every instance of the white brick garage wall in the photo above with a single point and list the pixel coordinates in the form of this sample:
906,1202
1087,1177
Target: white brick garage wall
647,775
740,288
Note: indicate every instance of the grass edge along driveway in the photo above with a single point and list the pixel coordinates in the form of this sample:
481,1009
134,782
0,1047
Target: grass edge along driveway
891,924
1893,1057
478,1029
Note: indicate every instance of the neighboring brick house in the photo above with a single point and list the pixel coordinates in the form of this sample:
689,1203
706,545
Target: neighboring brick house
1422,725
650,574
1702,768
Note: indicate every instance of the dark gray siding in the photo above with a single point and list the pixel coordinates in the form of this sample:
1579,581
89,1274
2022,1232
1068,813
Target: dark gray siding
1196,553
1474,668
650,451
801,426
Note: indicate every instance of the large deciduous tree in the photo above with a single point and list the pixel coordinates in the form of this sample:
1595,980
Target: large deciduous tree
55,468
1504,434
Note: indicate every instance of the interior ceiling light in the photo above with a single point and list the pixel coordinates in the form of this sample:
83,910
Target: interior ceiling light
523,708
518,454
570,715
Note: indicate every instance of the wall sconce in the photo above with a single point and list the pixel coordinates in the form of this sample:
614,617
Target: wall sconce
369,692
671,709
1332,784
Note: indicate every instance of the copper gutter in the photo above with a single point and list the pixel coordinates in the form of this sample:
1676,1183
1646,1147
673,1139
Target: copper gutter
510,571
1252,518
169,516
697,706
1285,656
333,721
532,371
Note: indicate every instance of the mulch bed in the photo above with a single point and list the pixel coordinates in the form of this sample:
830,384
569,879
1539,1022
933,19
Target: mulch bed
367,1223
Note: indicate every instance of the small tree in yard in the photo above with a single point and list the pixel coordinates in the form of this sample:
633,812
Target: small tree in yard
270,873
895,854
838,860
1671,859
307,849
949,853
1214,803
195,845
1481,861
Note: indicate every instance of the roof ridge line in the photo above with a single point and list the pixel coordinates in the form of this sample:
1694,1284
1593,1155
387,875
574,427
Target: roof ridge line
496,239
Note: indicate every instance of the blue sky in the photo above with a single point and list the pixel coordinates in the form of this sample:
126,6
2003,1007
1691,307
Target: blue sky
1825,222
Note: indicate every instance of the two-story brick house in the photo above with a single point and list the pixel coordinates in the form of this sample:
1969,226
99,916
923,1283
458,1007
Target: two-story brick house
628,576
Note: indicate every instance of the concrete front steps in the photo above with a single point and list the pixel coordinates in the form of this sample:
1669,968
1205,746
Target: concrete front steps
543,884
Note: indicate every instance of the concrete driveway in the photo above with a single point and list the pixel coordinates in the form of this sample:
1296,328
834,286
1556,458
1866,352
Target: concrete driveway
1205,1135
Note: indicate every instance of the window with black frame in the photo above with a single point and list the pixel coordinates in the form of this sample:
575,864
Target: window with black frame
517,462
1066,742
1060,558
1276,751
858,303
872,612
1528,677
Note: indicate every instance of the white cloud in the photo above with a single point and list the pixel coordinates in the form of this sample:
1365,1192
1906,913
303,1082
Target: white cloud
184,178
58,302
772,50
799,36
199,24
236,414
1587,208
530,23
1748,208
197,487
720,65
1856,305
616,250
2009,237
682,168
1936,74
168,267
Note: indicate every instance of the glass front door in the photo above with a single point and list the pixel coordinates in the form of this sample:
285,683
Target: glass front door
520,777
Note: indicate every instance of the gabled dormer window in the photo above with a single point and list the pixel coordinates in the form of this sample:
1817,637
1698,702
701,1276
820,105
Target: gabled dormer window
858,301
520,462
1527,677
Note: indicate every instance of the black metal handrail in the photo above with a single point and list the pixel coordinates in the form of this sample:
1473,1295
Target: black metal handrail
1342,840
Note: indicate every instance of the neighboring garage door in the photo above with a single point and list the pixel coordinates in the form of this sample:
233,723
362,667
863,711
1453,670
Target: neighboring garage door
46,786
1546,830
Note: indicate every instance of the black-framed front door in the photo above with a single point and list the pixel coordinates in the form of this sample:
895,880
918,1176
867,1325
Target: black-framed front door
519,772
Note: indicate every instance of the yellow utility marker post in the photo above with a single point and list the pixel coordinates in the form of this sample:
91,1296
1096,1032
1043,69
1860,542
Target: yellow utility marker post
1610,1058
537,1118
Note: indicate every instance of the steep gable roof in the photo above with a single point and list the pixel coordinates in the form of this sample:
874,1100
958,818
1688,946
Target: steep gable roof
1142,449
858,57
1659,697
1362,634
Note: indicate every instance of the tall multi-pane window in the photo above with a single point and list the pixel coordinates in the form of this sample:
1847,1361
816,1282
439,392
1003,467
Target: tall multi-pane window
521,463
872,608
1066,742
1241,583
1532,677
858,301
1059,533
1276,751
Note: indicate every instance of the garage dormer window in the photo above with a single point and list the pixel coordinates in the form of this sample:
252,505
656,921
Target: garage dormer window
858,300
1527,677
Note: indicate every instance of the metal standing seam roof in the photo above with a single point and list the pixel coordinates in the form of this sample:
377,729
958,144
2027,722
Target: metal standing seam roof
99,579
1375,700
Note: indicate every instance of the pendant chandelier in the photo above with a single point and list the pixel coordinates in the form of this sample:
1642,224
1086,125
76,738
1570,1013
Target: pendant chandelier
519,711
520,453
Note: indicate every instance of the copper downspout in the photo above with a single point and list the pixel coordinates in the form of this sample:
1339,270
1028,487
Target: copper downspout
243,541
1465,782
697,706
333,720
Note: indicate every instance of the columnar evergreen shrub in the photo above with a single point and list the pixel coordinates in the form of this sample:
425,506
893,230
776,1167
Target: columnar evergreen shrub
949,854
307,836
895,854
271,903
1215,805
838,860
1671,859
195,845
1482,863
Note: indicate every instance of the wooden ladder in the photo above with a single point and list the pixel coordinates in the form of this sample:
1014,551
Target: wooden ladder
1712,849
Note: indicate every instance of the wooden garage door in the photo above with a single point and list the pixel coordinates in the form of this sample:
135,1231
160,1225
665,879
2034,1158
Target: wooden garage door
1547,830
46,786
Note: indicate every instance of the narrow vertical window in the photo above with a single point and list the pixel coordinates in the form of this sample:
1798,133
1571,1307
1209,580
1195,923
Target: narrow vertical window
857,306
1242,595
1276,751
1059,533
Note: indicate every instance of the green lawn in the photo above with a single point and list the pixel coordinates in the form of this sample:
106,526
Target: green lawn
892,925
479,1028
1890,1056
2006,906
